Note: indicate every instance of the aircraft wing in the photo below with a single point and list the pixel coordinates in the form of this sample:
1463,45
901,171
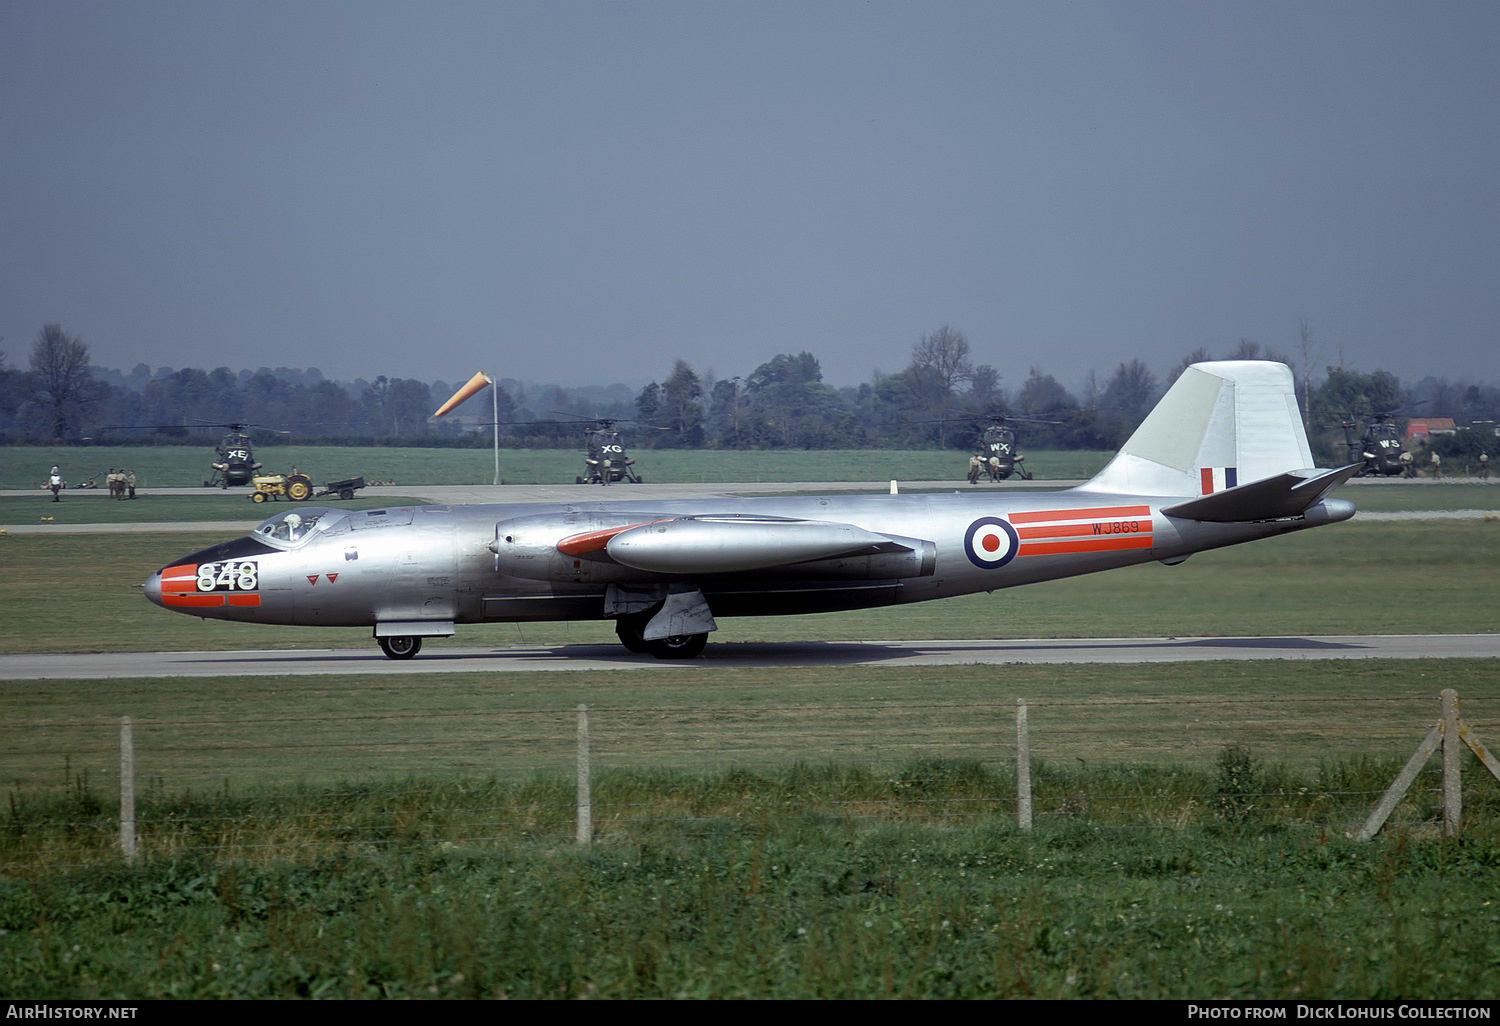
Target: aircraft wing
728,543
1273,498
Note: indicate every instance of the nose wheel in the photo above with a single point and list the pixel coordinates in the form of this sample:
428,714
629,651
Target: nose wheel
400,647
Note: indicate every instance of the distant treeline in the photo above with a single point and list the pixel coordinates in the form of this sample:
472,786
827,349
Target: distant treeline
942,398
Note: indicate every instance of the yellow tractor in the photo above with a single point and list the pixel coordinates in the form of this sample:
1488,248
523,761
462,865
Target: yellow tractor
296,487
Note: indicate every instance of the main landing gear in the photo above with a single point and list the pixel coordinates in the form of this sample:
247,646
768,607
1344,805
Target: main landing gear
681,646
400,647
628,628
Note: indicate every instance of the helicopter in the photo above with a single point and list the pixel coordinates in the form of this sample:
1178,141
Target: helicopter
1378,450
996,453
605,461
234,462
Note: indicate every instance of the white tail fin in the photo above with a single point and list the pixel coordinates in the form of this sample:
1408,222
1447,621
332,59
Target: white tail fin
1220,425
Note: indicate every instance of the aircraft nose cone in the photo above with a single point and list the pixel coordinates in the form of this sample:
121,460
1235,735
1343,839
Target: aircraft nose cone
152,588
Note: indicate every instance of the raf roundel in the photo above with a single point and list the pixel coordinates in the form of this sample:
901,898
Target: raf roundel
990,543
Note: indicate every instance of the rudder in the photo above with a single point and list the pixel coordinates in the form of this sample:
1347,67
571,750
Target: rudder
1221,424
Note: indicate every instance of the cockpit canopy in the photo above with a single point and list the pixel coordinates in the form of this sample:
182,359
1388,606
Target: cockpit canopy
299,525
293,528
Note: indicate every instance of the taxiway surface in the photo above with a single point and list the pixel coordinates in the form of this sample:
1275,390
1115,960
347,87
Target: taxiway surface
521,658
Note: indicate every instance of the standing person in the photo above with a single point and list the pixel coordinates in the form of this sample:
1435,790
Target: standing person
1484,465
55,482
130,482
1437,464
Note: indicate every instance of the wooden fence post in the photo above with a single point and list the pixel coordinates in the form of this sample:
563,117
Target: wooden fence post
127,791
1453,787
1023,767
585,802
1449,733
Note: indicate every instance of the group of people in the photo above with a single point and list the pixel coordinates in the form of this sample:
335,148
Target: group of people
121,483
1409,465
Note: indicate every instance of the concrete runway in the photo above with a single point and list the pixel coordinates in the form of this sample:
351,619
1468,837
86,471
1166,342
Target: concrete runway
512,658
614,657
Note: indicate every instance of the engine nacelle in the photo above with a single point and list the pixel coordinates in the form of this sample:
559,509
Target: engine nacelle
618,547
527,547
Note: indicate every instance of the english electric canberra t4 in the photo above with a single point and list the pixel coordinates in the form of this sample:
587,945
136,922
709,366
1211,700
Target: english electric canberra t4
1222,459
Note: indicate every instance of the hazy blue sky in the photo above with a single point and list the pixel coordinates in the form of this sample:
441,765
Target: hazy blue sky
586,191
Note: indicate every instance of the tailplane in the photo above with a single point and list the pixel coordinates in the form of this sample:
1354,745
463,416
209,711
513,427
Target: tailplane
1222,426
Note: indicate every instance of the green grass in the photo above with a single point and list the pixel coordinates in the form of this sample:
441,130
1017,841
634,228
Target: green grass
792,833
25,467
1414,496
236,507
808,882
187,466
232,508
210,734
82,593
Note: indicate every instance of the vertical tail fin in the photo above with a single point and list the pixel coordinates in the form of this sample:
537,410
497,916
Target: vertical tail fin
1220,425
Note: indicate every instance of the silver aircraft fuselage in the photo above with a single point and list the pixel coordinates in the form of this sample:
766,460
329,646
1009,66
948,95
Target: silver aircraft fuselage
663,570
465,564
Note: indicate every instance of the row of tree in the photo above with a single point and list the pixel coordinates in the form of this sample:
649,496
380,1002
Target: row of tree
942,398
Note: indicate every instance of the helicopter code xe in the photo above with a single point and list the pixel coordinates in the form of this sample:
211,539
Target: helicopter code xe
1222,459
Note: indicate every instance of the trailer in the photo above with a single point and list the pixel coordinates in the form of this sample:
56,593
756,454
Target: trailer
344,489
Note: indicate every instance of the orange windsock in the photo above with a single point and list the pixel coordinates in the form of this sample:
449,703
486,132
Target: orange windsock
478,381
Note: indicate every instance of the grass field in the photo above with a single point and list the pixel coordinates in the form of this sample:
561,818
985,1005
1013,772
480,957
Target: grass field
233,734
808,882
187,466
768,833
1356,578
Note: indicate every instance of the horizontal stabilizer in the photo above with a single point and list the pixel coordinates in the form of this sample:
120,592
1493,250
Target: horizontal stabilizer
1274,498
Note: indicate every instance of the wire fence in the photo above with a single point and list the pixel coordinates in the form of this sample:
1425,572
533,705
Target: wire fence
96,788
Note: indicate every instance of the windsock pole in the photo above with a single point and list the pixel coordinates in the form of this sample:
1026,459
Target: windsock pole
474,384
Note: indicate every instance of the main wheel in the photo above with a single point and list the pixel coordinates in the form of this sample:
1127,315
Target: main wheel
679,646
628,629
401,647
